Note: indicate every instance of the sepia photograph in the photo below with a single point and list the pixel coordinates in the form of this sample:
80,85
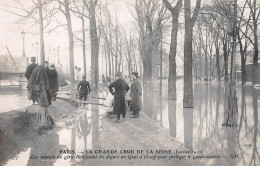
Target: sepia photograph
129,82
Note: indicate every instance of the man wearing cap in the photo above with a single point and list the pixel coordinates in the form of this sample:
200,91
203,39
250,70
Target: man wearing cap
83,88
118,88
53,81
30,68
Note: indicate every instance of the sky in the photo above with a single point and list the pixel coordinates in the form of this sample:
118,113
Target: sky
10,33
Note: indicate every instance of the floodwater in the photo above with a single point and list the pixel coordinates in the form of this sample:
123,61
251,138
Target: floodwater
13,98
81,135
200,128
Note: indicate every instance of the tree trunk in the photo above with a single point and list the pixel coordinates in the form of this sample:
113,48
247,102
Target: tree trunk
255,59
225,60
71,45
172,54
105,49
188,83
206,57
147,63
243,60
217,63
94,47
42,54
84,46
109,59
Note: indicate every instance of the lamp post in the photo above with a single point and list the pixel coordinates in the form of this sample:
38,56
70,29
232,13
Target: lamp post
32,53
159,75
58,51
54,55
23,36
36,44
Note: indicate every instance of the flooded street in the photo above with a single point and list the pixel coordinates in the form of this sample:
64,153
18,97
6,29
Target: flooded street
199,128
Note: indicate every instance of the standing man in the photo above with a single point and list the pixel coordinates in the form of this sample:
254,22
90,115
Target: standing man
84,89
53,81
30,68
29,71
118,88
136,93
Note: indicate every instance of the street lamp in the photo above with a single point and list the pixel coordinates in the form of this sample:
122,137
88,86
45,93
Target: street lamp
58,51
54,55
158,67
36,44
23,36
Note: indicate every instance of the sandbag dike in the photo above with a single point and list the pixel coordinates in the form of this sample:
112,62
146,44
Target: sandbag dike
18,129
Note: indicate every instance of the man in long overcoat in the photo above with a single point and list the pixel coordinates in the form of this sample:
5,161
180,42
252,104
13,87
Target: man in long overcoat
53,81
118,88
136,93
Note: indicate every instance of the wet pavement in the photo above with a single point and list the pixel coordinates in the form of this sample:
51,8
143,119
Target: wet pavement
198,128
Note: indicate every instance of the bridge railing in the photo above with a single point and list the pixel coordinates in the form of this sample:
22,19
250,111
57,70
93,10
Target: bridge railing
9,66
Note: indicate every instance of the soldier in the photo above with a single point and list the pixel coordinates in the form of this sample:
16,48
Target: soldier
119,88
84,89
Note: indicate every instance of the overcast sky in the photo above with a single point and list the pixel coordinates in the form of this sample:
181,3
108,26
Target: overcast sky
10,33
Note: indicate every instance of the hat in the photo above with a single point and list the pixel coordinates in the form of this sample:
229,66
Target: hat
33,59
119,74
46,62
52,66
84,76
135,74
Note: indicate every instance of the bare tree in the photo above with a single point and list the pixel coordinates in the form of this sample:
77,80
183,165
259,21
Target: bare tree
65,9
94,38
40,13
173,47
189,23
255,11
149,16
79,11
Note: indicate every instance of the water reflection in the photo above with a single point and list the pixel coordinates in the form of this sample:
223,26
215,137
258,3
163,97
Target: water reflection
201,128
44,150
95,124
172,117
255,155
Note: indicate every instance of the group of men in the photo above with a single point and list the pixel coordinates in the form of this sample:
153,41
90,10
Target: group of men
52,75
119,88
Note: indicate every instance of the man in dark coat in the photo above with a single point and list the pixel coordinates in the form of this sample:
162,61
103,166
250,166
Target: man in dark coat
53,81
30,68
136,92
83,88
119,88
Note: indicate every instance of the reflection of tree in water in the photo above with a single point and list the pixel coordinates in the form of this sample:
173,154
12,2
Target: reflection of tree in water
242,116
209,138
95,124
47,145
188,128
255,153
172,117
